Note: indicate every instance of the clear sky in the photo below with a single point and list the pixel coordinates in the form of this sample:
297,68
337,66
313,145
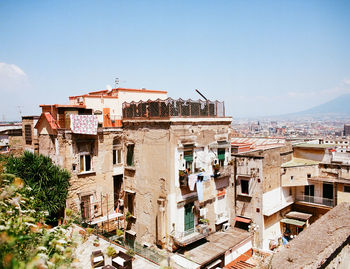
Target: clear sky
260,57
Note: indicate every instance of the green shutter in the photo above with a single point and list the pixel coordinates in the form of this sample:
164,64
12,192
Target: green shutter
221,154
130,155
189,217
189,158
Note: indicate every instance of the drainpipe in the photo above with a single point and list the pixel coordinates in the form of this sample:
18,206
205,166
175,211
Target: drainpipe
234,182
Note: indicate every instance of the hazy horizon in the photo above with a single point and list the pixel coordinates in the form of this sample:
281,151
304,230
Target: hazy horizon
261,58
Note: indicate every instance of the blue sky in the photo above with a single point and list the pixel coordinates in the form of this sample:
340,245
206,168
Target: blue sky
260,57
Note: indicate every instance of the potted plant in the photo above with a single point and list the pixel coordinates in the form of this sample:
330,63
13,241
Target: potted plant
204,221
110,251
183,178
130,252
96,242
216,167
129,216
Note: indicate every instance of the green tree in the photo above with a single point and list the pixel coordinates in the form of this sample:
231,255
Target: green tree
25,240
48,181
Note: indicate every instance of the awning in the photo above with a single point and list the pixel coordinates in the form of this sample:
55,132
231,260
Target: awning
298,215
130,191
245,220
293,222
104,218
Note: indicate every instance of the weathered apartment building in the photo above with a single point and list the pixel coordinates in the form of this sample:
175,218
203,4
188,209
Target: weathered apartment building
260,200
319,176
159,168
18,137
86,138
178,179
283,188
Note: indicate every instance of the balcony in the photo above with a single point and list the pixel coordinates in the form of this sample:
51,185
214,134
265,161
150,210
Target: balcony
173,108
222,171
315,200
185,238
183,178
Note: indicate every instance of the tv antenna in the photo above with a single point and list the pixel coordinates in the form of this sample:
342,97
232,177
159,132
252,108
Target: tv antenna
20,111
116,82
201,95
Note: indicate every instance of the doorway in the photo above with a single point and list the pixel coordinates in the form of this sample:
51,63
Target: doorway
309,193
117,184
327,194
189,217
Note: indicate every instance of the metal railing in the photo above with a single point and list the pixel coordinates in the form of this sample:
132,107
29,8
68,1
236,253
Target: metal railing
173,108
200,229
140,249
315,200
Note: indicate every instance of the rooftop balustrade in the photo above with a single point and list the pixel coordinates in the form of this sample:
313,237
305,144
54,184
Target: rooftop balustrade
173,108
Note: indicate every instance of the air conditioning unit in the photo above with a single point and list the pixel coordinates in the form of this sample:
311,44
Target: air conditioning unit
203,212
225,227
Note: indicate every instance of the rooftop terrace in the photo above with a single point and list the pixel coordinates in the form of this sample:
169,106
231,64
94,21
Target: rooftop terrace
169,107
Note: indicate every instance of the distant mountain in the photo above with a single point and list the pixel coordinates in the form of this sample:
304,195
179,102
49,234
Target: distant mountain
339,106
336,108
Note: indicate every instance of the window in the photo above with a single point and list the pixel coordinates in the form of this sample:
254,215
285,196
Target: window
85,163
291,177
130,198
346,188
117,151
309,190
188,156
130,155
117,156
308,175
28,134
244,186
85,207
221,156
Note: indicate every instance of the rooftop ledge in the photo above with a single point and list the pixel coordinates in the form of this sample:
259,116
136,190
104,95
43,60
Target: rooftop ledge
179,119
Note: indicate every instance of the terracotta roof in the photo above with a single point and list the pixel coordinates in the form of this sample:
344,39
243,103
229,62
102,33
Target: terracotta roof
138,90
72,106
108,94
47,115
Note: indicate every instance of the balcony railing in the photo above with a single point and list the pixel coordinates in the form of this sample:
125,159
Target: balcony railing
315,200
187,237
173,108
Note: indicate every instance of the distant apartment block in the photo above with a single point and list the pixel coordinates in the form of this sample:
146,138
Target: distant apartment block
346,129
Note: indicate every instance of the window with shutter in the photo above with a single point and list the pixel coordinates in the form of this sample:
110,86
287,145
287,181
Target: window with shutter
130,155
28,134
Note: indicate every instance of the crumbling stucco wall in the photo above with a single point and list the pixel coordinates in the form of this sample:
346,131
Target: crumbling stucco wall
99,181
16,145
148,177
155,174
298,175
342,260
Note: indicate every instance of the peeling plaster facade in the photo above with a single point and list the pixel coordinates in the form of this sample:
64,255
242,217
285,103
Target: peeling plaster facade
259,193
160,201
